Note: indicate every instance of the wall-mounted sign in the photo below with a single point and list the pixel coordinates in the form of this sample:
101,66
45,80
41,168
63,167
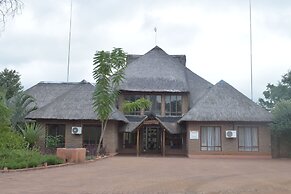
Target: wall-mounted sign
194,135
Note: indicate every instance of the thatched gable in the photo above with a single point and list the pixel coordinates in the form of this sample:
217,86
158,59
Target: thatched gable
224,103
73,103
169,123
155,71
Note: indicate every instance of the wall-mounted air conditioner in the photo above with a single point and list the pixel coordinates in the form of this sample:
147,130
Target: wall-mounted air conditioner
230,134
77,130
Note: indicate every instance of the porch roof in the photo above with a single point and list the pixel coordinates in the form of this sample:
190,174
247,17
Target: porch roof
169,123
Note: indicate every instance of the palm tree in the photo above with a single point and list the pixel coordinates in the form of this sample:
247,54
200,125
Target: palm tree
20,105
108,73
31,133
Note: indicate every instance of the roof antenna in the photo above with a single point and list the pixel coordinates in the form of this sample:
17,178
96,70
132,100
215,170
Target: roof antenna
155,29
69,50
251,49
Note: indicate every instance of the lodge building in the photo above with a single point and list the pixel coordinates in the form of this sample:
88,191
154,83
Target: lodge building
188,115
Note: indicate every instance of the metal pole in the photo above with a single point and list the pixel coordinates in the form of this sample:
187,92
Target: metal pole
251,49
69,50
155,29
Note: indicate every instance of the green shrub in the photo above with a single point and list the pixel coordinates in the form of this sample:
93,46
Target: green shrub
53,141
52,160
24,158
11,140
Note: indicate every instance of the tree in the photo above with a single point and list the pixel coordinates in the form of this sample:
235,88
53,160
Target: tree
281,128
108,73
8,8
277,93
10,81
139,105
20,105
5,113
282,118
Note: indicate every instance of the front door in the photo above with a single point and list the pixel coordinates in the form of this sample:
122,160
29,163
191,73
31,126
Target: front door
151,139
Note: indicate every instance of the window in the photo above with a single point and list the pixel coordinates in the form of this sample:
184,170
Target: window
132,98
129,140
175,141
248,139
210,139
57,130
173,105
91,135
156,101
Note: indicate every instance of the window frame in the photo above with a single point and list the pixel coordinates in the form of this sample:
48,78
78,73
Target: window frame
171,112
62,143
174,141
252,147
208,148
131,137
84,130
133,97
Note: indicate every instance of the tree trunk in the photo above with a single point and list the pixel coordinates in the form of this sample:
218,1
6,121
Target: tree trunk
103,128
142,111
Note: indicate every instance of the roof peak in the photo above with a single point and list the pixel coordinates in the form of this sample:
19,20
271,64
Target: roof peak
54,82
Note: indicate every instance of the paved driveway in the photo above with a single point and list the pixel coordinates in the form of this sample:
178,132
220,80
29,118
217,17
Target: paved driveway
122,175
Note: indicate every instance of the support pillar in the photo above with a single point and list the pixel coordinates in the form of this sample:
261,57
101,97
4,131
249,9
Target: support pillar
137,143
164,142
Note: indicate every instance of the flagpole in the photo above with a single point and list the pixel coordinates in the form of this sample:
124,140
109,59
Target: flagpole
155,29
69,50
251,49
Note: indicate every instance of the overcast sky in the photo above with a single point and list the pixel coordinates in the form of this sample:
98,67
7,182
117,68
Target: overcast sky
213,34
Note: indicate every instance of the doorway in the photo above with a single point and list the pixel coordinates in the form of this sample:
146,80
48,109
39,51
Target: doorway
151,139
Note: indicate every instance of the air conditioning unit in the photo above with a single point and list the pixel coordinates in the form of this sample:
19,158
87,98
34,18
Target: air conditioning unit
77,130
230,134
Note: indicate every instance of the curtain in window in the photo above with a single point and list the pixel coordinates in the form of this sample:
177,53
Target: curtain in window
210,139
248,139
255,139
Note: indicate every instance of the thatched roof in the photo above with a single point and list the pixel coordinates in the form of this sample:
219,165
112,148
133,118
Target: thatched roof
73,102
134,123
169,123
224,103
155,71
197,86
45,92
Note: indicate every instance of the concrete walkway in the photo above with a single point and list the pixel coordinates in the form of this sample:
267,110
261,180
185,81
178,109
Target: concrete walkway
122,175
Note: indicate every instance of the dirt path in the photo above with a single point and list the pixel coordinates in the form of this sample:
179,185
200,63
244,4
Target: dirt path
122,175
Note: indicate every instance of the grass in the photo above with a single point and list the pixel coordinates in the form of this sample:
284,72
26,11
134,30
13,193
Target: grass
24,158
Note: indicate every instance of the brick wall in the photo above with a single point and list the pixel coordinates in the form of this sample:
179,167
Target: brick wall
71,140
76,141
229,145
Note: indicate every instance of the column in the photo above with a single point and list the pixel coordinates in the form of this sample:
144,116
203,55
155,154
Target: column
164,142
137,143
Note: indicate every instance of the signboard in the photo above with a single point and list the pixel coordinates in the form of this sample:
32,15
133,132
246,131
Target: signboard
194,135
